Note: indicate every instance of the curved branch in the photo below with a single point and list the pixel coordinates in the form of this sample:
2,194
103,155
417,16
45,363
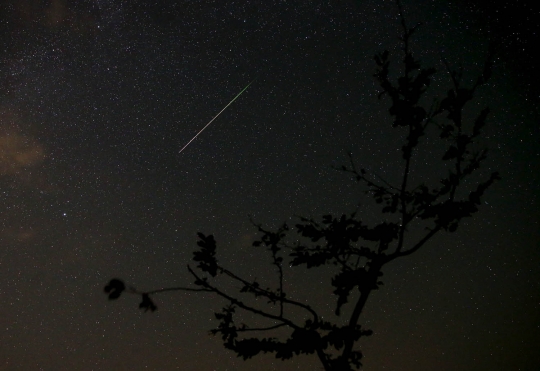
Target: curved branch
272,296
261,328
171,289
418,245
241,304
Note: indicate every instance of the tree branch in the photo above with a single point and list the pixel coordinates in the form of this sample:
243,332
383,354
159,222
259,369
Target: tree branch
245,329
413,249
171,289
270,295
241,304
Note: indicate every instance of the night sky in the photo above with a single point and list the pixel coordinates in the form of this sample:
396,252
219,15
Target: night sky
98,97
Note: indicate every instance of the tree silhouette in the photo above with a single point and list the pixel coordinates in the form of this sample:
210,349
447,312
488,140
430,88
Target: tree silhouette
356,251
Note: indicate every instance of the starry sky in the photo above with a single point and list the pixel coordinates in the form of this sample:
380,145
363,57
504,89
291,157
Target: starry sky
97,98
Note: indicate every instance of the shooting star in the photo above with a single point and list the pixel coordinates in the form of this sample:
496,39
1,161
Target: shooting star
216,116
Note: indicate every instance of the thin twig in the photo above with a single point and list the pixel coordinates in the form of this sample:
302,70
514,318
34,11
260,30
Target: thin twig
240,303
261,328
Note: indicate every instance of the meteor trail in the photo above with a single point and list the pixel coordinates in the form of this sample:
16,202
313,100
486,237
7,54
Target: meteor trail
216,116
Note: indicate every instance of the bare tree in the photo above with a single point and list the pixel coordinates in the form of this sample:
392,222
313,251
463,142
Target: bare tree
356,251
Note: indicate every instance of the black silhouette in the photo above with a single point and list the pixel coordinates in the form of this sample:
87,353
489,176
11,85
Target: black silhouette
357,251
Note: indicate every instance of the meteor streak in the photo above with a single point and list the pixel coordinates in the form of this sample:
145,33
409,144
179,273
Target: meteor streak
216,116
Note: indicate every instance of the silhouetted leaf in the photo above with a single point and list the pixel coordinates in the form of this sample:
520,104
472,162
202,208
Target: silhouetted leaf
480,121
206,256
147,303
115,288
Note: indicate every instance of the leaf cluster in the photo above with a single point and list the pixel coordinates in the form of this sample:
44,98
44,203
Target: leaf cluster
116,287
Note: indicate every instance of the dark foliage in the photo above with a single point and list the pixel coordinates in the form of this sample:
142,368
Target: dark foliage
356,251
115,288
206,256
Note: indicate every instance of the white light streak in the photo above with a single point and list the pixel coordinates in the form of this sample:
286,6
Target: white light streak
216,116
